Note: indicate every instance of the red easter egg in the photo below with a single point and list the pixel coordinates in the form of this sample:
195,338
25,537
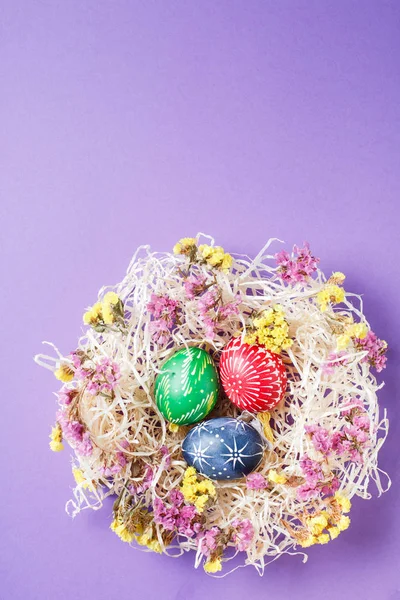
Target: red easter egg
253,377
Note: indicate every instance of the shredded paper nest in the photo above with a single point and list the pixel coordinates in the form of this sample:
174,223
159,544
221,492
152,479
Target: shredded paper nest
134,455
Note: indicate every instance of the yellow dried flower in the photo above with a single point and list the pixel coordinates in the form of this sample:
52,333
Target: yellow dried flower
64,373
216,257
330,294
197,492
173,427
185,246
147,539
323,538
307,542
342,341
354,330
344,523
344,502
80,479
122,532
56,439
108,314
111,298
213,566
318,523
333,532
271,330
93,315
337,278
274,477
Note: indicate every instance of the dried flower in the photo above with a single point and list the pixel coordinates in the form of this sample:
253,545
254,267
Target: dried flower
64,373
216,257
80,479
376,350
275,477
163,311
337,278
330,294
185,246
256,481
213,566
243,533
197,492
174,515
103,314
296,269
56,439
271,330
334,360
208,541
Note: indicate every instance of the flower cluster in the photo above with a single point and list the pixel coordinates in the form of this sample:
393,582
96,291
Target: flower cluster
108,312
330,294
321,526
81,480
100,378
213,256
352,331
350,441
64,373
74,432
375,348
164,313
176,516
186,246
334,360
194,286
256,481
298,267
271,330
317,481
212,311
56,439
197,492
243,533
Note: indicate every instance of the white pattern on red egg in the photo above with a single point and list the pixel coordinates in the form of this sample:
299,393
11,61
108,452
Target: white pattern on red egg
253,377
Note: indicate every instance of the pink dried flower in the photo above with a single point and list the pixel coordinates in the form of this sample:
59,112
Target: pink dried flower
163,311
296,269
85,447
194,286
165,452
312,470
335,359
320,437
66,395
174,515
208,540
376,350
243,534
146,483
256,481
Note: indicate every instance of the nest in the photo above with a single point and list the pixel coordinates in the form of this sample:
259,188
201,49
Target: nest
135,455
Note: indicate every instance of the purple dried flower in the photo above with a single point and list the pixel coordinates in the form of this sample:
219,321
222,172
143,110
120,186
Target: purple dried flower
296,269
256,481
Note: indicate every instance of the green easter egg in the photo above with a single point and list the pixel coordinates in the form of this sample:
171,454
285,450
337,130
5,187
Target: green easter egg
186,389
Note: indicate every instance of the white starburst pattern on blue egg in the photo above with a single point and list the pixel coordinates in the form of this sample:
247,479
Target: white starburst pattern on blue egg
223,448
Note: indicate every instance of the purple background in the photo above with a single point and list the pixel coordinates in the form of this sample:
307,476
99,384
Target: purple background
128,122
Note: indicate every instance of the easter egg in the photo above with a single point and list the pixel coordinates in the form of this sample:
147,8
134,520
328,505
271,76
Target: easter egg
187,387
223,448
253,377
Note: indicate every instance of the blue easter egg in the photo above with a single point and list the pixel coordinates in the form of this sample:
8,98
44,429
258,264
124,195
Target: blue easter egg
223,448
